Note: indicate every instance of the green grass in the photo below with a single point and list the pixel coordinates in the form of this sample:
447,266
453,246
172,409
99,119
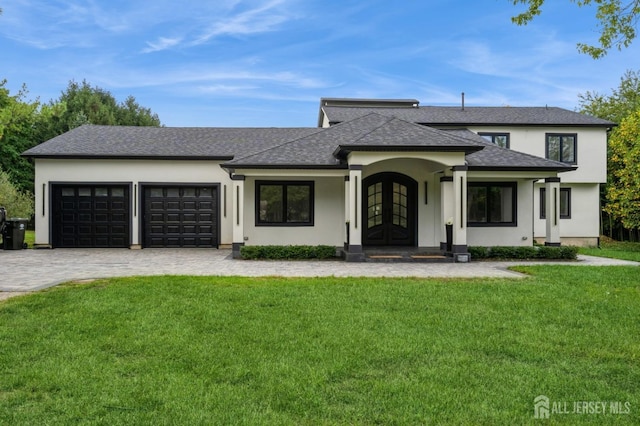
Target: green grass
210,350
614,249
30,238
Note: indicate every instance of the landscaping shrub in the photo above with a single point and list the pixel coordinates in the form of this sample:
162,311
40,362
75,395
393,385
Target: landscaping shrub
524,252
288,252
479,252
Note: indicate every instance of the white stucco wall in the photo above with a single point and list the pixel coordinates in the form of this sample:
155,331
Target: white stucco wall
125,171
519,235
585,212
329,222
591,153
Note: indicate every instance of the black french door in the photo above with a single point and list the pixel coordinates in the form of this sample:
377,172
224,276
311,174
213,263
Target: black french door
389,210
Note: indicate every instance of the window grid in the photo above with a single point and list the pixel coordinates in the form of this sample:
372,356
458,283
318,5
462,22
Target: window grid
565,203
562,147
491,204
284,203
499,139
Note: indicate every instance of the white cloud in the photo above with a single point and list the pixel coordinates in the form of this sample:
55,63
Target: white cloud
162,44
264,18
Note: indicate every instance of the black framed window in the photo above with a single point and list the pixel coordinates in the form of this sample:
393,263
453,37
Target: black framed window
565,203
500,139
284,203
562,147
491,203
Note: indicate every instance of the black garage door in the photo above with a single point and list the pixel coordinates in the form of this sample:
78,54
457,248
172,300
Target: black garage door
180,216
90,215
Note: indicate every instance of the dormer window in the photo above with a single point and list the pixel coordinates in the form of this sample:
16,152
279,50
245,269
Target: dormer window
500,139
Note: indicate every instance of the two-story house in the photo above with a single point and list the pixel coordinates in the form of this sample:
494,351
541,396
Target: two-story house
374,173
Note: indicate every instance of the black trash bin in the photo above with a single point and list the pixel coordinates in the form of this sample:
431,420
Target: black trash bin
13,234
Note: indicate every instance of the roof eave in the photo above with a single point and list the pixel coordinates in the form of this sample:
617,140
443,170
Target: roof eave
129,157
461,123
343,150
285,166
522,169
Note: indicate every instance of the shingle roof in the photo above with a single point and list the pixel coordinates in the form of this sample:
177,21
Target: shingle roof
443,116
164,142
283,147
372,131
493,157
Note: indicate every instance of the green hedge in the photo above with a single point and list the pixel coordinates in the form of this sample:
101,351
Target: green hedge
288,252
524,252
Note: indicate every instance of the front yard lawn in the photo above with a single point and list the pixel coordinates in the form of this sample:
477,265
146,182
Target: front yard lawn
624,250
213,350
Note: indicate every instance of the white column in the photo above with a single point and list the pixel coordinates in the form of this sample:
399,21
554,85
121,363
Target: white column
135,197
237,210
446,207
460,211
354,252
346,212
552,211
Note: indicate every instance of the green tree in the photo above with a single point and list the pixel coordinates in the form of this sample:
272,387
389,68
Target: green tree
18,132
24,124
620,103
623,197
617,21
18,203
82,103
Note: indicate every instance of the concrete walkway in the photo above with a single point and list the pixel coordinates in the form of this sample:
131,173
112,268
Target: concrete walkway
30,270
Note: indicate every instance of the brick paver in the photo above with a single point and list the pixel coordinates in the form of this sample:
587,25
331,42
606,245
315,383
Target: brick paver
31,270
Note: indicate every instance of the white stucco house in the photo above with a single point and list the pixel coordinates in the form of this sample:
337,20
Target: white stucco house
374,173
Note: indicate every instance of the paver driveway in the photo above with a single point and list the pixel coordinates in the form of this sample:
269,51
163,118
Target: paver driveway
29,270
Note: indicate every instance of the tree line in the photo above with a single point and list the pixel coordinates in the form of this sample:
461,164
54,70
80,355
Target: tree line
621,195
26,123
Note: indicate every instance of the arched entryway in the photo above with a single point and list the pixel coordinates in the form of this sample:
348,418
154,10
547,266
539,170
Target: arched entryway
390,210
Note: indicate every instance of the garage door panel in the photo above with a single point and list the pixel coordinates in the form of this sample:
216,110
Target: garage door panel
174,216
87,216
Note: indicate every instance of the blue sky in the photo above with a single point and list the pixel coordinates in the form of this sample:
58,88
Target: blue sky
263,63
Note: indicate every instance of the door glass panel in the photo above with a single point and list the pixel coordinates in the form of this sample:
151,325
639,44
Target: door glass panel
173,192
399,205
374,205
101,192
68,192
188,192
157,192
84,192
117,192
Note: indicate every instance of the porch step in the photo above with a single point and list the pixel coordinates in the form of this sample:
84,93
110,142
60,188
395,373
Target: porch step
408,257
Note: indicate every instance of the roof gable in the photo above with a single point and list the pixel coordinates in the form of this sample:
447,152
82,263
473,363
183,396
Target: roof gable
370,132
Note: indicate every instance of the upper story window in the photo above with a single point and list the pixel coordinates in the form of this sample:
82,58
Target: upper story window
562,147
491,203
500,139
284,203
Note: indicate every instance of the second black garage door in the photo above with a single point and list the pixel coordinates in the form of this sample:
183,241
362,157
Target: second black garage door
180,216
